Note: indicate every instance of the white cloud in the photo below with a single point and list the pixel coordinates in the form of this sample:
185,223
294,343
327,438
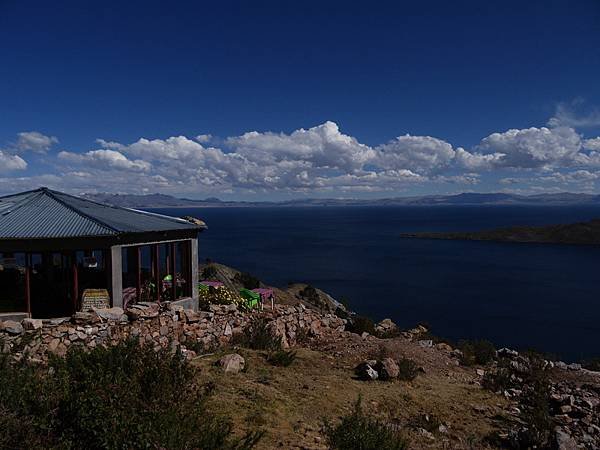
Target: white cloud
10,162
422,154
532,147
592,144
106,159
317,159
35,141
569,115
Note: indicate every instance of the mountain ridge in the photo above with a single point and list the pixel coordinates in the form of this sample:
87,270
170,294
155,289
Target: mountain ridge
466,198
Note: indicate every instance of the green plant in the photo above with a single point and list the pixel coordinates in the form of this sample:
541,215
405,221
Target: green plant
281,358
408,369
360,324
125,396
476,352
358,431
258,335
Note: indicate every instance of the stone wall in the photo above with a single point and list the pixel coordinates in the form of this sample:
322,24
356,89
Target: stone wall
162,326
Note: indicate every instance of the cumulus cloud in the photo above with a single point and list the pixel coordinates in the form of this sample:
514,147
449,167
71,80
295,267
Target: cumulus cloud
35,141
532,147
592,144
106,159
422,154
321,158
10,162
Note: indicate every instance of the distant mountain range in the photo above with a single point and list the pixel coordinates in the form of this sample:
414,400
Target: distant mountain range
166,201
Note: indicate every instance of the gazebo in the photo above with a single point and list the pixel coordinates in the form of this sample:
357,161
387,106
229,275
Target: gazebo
60,254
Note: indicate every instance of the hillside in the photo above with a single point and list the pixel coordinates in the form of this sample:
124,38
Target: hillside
582,233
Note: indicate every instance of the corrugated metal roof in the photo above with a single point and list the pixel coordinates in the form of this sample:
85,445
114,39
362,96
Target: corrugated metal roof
44,213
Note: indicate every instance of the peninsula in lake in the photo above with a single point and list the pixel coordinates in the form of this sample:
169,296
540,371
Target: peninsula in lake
582,233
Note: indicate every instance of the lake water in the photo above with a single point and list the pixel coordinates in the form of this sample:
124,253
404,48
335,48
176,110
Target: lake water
545,297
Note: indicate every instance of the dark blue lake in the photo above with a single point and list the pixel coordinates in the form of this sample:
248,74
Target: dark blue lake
545,297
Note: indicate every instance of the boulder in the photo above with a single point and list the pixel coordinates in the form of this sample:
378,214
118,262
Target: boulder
114,313
387,369
11,327
366,372
426,343
84,318
232,363
386,326
31,324
564,441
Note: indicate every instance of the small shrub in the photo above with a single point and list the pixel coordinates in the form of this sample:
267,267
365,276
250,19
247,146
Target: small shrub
408,369
246,280
209,272
538,426
360,324
258,335
281,358
360,431
125,396
219,296
477,352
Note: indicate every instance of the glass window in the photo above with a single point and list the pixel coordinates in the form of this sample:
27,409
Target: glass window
12,280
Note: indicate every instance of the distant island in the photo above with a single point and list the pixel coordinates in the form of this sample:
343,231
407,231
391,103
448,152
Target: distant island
582,233
167,201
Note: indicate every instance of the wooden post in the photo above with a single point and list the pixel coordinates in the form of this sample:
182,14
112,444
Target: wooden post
28,283
173,277
156,251
138,267
75,281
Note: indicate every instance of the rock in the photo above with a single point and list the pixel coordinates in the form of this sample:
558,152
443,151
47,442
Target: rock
480,372
423,432
228,331
366,372
11,327
232,363
386,326
114,313
564,441
388,369
84,318
364,335
426,343
31,324
443,347
507,353
574,366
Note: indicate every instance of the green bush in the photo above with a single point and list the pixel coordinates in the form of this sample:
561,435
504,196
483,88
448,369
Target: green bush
258,335
358,431
360,324
281,358
476,352
408,369
126,396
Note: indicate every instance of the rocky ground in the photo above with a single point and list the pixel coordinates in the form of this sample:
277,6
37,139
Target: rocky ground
441,404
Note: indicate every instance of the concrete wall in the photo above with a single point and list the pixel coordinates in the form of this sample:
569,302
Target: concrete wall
116,267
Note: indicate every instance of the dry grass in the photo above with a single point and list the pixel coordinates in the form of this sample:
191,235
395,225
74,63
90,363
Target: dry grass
291,404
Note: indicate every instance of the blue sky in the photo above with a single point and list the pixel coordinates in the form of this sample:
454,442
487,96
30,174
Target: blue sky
273,100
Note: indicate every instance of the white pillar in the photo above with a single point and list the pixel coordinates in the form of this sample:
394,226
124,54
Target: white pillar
194,264
116,264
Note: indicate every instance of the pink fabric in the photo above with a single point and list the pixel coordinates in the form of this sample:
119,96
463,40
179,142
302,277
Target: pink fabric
212,283
264,293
